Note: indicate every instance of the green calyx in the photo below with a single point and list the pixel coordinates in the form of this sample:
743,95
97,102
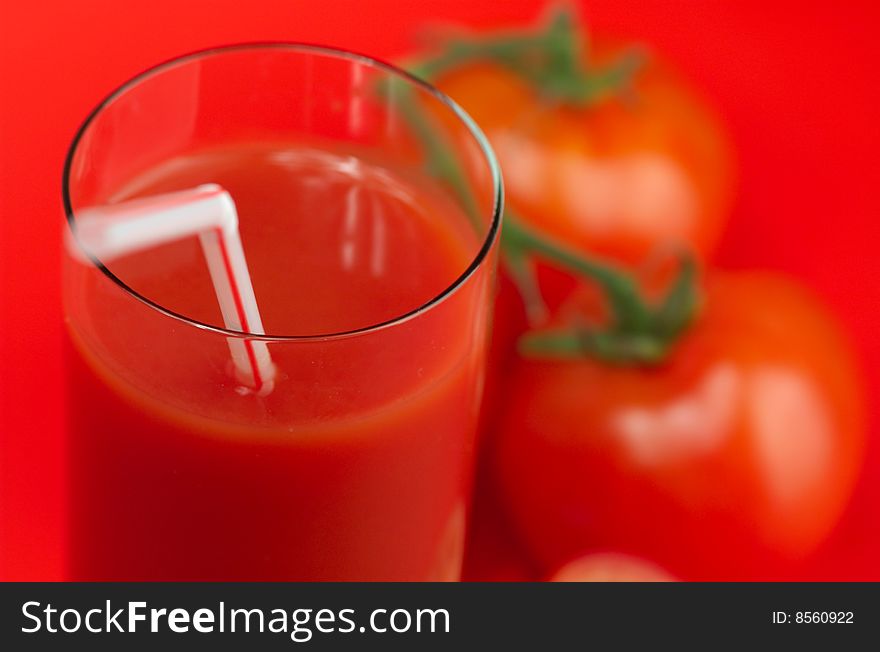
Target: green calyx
551,60
638,331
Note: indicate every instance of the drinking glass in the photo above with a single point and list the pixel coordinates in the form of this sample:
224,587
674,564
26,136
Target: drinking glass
369,209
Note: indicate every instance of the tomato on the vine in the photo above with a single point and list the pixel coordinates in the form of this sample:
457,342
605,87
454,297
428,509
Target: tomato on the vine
644,165
604,147
730,458
720,447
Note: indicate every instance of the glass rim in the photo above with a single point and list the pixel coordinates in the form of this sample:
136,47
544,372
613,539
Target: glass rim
474,130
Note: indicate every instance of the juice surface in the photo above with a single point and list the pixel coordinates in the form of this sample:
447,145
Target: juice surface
357,465
334,242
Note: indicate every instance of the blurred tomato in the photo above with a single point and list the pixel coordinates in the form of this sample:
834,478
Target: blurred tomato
619,176
733,457
642,167
610,567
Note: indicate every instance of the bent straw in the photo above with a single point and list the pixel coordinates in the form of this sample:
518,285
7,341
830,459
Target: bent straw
107,232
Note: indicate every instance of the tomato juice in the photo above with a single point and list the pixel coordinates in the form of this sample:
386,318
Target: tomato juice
357,465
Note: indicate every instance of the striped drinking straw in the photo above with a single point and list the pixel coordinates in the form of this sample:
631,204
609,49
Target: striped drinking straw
106,232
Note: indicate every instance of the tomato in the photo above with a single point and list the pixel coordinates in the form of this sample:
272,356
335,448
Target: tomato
610,567
730,460
619,177
641,170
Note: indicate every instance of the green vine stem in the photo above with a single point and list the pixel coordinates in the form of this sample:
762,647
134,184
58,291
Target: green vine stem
638,332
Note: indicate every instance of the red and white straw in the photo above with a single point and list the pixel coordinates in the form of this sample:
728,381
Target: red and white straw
208,212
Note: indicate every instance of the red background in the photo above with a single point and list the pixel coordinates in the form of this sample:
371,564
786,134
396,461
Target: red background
796,83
